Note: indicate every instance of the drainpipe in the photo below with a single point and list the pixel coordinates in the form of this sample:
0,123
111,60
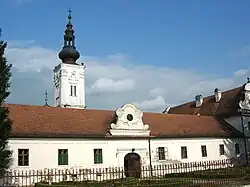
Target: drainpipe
150,158
245,141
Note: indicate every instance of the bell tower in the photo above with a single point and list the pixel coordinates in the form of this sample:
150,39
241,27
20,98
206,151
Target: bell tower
69,88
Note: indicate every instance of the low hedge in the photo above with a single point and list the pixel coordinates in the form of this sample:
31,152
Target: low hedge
213,174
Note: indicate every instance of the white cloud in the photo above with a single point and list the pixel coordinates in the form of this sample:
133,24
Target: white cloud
156,92
111,81
156,103
102,85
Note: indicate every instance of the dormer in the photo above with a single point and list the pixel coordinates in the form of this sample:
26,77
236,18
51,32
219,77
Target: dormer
217,95
245,103
198,101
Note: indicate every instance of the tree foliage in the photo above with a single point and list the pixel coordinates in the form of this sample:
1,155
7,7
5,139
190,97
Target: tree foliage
5,121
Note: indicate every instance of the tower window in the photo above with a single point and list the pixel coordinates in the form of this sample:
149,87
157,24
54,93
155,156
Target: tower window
72,90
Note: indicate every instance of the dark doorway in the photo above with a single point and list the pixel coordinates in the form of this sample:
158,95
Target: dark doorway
132,165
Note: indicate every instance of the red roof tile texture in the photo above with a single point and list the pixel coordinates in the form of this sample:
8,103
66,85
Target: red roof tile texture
52,122
227,106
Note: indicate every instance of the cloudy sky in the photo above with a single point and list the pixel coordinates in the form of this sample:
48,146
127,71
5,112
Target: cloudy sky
151,53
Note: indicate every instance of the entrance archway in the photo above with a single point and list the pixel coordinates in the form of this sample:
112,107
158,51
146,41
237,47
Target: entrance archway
132,165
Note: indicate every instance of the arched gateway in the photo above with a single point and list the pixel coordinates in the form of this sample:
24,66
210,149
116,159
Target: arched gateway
132,165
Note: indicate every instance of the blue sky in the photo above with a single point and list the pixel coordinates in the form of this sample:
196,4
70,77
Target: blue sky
211,37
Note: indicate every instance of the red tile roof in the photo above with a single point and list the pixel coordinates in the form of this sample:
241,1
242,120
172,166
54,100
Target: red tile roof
44,121
227,106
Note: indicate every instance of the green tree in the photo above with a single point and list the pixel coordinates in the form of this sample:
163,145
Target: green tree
5,121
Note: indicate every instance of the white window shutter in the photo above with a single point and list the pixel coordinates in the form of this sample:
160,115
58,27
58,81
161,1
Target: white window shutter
166,153
156,155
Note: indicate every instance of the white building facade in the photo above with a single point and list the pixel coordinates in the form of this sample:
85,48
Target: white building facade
64,136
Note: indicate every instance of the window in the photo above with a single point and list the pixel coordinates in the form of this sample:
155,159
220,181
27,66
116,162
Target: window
63,157
237,149
183,152
204,151
222,149
23,157
98,156
57,102
161,153
72,90
248,125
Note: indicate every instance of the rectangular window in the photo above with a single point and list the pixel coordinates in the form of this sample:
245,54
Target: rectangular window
161,153
71,90
248,125
98,156
222,149
63,156
23,157
74,90
204,151
237,149
183,152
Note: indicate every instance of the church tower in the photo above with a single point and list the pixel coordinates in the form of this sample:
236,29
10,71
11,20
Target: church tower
69,89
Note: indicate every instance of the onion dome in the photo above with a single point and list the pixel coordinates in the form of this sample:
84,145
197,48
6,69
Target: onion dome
69,54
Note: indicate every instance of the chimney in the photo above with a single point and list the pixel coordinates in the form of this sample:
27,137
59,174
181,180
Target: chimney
217,95
198,101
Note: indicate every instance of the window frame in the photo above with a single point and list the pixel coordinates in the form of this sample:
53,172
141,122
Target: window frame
222,149
204,151
98,156
237,149
63,157
23,157
74,93
71,90
184,154
161,153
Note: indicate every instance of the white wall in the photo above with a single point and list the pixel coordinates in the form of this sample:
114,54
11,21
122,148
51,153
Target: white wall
44,152
194,149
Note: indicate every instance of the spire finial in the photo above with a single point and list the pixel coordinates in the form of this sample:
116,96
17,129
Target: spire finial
248,80
69,11
46,98
69,54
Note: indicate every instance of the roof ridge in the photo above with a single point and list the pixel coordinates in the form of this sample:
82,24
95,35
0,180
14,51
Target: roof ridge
223,92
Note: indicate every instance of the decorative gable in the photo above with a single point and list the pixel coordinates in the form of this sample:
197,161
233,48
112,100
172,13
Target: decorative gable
245,104
129,122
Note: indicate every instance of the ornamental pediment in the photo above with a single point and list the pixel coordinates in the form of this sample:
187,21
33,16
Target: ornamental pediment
129,120
245,103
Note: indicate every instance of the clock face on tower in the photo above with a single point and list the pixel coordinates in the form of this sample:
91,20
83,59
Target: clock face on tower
73,76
